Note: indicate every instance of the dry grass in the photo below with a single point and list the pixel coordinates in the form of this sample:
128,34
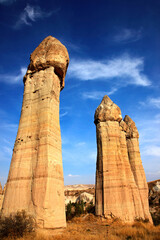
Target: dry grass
92,228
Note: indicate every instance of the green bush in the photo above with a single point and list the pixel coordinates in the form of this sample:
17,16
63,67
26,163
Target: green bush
78,208
16,225
69,211
90,208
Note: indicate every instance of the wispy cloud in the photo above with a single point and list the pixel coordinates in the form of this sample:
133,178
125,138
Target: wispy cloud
127,35
152,151
7,2
9,126
149,138
96,95
124,70
151,102
13,78
155,102
63,114
80,144
8,150
152,175
70,175
31,14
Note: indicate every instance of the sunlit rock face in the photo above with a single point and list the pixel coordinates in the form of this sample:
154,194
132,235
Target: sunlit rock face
132,138
121,187
1,190
35,182
1,196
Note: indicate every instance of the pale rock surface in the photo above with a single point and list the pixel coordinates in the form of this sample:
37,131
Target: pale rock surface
117,192
1,190
78,187
35,182
1,200
1,196
132,138
85,197
69,199
156,188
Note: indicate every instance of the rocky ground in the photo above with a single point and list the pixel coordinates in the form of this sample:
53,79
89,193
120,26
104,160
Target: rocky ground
89,227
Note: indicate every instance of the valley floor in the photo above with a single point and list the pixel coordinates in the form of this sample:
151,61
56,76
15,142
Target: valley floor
88,227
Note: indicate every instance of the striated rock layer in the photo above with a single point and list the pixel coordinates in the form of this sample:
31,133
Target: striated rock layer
1,190
121,187
35,182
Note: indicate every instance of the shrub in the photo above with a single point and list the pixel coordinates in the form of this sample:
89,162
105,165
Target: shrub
69,213
79,208
74,209
156,218
16,225
90,208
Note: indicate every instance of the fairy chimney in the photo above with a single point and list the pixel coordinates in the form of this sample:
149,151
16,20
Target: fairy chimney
35,181
118,181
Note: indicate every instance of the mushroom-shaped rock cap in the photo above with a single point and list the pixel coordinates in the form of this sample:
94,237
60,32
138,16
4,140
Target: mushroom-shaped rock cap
107,111
132,129
50,52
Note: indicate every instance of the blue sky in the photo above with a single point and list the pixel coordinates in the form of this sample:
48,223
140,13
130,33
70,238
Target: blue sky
114,49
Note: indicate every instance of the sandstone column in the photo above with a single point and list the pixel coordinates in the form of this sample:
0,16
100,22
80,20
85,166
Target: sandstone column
117,193
1,188
132,137
1,196
35,182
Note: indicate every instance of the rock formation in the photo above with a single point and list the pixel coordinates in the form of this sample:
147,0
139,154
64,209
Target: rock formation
35,182
1,196
1,190
132,137
121,188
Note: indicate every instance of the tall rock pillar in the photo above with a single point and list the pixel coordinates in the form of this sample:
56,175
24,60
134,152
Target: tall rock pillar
117,192
1,190
35,182
132,138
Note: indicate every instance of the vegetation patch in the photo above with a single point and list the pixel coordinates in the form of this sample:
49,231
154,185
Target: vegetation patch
16,225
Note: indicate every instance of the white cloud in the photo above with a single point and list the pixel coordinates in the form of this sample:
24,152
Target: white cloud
149,139
155,102
96,95
31,14
152,151
154,175
9,126
15,78
8,150
125,70
7,1
80,144
70,175
151,102
127,35
79,179
63,114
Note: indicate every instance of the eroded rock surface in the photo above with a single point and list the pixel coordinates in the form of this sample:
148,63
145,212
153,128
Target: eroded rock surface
121,187
1,190
1,196
35,182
